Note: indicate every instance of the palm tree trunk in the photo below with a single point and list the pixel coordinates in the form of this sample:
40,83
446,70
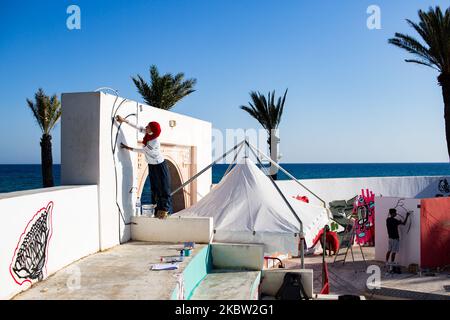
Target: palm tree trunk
269,141
47,161
444,81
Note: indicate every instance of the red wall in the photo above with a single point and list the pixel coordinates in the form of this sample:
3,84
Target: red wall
435,232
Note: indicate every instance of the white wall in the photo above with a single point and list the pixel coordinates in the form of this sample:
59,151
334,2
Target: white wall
73,229
409,240
173,229
87,139
346,188
228,256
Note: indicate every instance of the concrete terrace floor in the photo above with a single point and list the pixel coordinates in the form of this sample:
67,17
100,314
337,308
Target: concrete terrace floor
351,278
122,272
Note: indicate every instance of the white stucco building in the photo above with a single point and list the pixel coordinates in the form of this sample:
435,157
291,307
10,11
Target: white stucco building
91,154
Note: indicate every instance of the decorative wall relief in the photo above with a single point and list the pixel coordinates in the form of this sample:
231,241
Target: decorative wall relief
31,253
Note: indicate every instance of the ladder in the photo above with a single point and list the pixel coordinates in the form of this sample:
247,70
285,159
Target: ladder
347,244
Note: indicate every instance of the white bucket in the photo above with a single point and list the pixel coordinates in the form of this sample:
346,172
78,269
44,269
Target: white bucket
148,210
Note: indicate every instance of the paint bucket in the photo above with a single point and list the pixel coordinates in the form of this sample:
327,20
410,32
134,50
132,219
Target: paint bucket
148,210
189,245
172,259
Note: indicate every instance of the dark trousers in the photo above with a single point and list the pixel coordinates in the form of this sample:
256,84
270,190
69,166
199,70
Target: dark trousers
160,186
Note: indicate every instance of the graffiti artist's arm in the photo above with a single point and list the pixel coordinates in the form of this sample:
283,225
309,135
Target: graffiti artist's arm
123,120
124,146
138,150
406,219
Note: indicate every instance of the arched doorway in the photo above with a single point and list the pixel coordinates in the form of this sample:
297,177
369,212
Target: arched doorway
178,199
181,168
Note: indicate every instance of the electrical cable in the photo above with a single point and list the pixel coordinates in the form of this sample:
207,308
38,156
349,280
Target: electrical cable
121,216
114,111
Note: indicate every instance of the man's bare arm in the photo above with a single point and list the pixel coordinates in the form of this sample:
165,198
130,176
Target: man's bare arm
406,219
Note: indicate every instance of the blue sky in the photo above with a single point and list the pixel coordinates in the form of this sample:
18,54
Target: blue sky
352,98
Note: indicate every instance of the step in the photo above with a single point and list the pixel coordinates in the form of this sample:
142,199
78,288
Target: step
228,285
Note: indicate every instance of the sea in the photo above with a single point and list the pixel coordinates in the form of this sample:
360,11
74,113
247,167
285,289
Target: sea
15,177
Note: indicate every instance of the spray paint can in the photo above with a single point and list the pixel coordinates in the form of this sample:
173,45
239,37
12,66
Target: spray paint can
138,207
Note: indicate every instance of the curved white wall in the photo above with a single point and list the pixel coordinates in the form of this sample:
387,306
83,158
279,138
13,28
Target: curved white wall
72,226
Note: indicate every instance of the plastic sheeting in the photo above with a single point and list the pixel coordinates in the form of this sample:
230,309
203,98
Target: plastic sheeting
435,232
246,208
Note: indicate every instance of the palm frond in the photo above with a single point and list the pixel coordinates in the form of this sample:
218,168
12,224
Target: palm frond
164,91
422,63
413,46
265,110
46,110
434,29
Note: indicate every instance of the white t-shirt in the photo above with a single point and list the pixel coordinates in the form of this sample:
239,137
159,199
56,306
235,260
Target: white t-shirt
152,150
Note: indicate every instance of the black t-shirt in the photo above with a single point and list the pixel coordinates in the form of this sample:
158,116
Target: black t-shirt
392,227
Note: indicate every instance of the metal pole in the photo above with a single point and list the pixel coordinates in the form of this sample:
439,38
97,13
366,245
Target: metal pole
285,200
288,174
234,160
280,192
324,245
202,171
302,251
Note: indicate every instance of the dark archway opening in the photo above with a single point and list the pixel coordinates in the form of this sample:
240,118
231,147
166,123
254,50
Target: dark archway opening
178,201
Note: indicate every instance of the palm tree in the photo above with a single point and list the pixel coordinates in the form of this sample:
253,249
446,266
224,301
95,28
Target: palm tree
46,111
268,114
434,29
164,91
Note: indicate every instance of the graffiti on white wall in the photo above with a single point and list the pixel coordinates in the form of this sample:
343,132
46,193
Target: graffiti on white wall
31,253
402,211
364,212
444,186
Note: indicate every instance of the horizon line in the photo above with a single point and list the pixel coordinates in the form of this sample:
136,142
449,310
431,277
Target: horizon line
281,163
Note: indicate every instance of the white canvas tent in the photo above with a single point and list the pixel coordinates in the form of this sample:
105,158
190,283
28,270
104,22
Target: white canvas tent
247,208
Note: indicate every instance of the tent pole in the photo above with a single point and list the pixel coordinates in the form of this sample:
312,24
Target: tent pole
288,174
234,160
302,251
324,253
206,168
285,200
